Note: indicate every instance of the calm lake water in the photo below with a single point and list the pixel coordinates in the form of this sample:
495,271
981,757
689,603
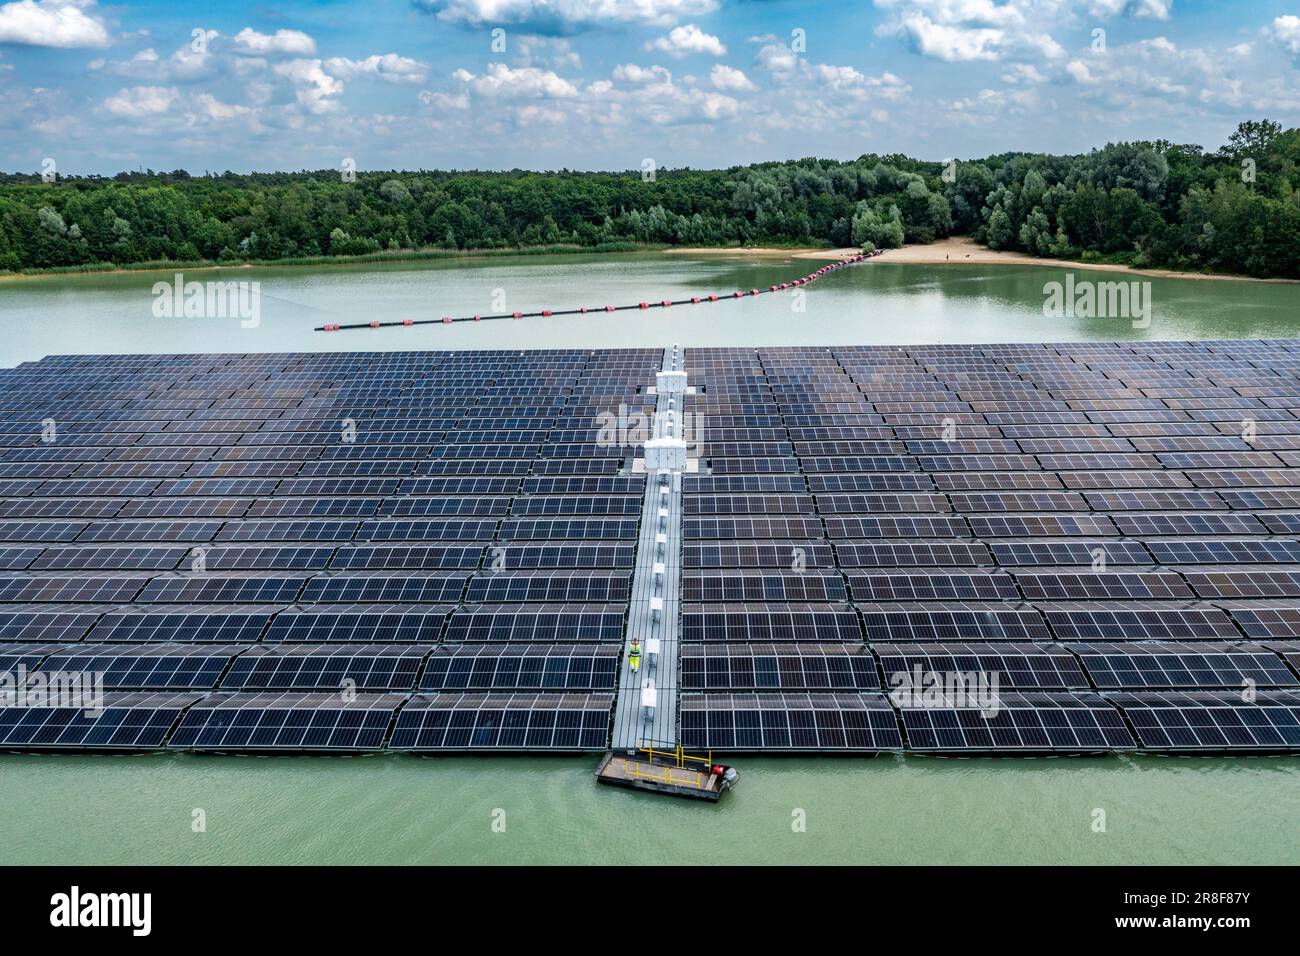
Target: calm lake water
390,809
874,303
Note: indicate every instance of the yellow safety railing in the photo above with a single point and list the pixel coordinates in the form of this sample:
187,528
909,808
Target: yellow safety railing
670,775
678,754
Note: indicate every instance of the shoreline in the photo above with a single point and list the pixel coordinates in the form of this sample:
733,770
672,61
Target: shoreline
953,251
961,250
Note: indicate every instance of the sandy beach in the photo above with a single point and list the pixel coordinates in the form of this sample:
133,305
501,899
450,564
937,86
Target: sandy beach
962,250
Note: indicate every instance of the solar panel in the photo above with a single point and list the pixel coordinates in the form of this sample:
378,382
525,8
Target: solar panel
469,721
334,667
37,624
119,721
1031,721
1096,494
523,667
146,666
1160,664
769,623
369,624
953,621
1145,621
1213,720
1012,666
788,722
286,721
794,667
537,622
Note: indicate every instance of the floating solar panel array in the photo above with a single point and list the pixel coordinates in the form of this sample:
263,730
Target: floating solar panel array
318,552
1017,548
951,549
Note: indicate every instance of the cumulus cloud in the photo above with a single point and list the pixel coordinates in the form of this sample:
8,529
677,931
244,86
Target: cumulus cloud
778,59
314,89
500,81
286,42
631,73
1159,74
961,31
1285,32
183,65
388,66
566,16
207,107
729,78
52,23
683,41
552,52
141,101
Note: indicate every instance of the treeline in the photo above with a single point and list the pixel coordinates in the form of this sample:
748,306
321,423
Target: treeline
1145,203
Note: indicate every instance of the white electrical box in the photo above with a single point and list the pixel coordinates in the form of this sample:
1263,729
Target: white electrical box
665,454
670,383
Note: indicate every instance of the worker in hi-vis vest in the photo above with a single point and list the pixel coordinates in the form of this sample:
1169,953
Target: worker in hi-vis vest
634,655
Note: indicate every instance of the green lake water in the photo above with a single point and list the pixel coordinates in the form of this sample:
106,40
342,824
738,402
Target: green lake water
874,303
389,809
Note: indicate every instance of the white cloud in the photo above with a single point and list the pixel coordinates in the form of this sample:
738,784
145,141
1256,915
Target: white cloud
961,31
314,89
1022,73
683,41
54,23
141,101
728,78
631,73
565,16
778,59
388,66
287,42
184,64
1285,32
1148,9
445,101
1079,71
501,81
552,52
208,107
532,114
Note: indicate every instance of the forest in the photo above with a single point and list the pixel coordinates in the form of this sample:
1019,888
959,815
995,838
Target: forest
1232,210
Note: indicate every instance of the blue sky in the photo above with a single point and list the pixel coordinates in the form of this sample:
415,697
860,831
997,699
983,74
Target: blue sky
604,84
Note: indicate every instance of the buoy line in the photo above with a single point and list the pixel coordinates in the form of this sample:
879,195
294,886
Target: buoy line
584,310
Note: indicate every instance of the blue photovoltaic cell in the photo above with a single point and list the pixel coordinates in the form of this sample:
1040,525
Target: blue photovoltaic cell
1082,520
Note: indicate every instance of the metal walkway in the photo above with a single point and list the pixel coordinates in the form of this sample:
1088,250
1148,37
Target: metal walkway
646,708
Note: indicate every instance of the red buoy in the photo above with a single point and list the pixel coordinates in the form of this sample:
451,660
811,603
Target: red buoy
408,321
739,294
666,303
446,320
695,300
374,323
609,308
713,298
645,305
519,315
476,318
546,311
